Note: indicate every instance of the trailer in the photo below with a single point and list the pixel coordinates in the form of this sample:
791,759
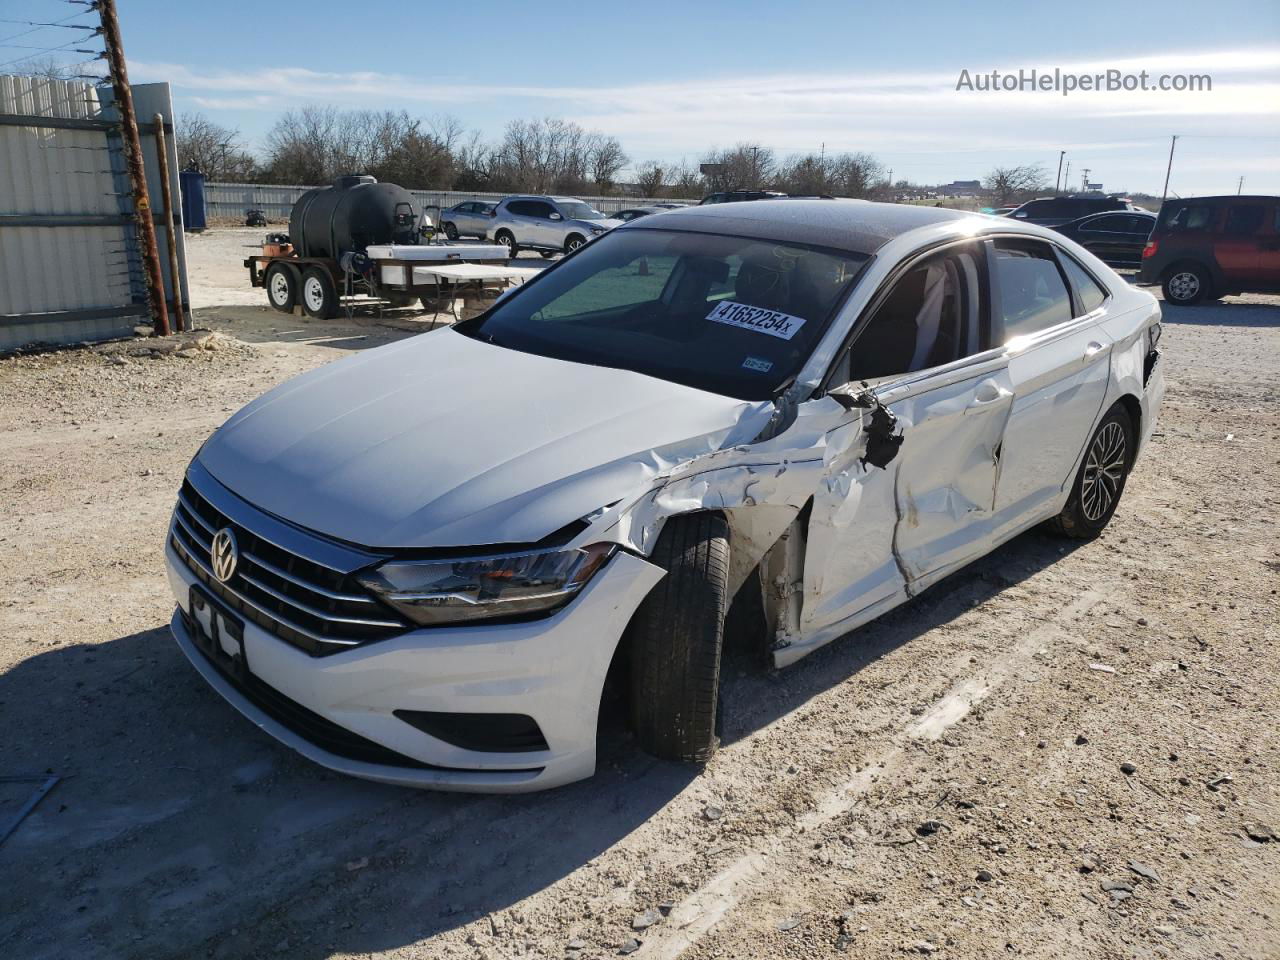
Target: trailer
435,275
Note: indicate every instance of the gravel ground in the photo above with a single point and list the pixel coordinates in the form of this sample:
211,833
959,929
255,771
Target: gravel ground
1060,751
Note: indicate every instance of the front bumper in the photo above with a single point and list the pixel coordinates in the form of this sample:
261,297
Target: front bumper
552,670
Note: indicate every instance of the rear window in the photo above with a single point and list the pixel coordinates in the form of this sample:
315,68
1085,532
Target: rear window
731,315
1197,216
1033,295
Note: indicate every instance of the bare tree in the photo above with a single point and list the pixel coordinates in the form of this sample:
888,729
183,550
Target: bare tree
552,154
858,175
650,178
605,158
686,181
1014,184
748,166
216,151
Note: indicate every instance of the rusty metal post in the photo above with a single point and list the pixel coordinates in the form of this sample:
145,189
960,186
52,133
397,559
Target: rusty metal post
166,202
135,166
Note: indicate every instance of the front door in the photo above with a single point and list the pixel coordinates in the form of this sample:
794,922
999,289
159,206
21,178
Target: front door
1239,248
876,533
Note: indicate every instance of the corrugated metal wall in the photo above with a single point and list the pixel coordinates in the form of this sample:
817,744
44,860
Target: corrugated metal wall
231,200
68,261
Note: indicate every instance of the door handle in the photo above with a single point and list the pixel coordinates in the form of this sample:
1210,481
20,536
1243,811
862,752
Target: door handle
1093,349
988,392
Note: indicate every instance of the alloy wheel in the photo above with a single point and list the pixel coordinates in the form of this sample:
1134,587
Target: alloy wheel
1184,285
1103,471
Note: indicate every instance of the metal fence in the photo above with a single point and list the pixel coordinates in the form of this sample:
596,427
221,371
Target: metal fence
69,263
231,200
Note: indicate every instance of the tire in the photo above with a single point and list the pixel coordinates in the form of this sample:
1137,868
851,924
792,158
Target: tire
1100,483
400,300
676,639
282,288
573,242
319,298
1185,285
508,240
450,231
548,254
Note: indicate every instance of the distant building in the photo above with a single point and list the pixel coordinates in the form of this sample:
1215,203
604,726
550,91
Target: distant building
962,188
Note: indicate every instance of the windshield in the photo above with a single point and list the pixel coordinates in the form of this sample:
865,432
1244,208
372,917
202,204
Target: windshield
729,315
577,210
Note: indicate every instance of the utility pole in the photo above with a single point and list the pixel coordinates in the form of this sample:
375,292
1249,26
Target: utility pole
1058,179
1239,186
1084,181
1066,178
134,164
755,170
1169,169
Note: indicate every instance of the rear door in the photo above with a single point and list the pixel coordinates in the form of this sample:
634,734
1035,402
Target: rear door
875,533
1046,313
1269,245
1239,247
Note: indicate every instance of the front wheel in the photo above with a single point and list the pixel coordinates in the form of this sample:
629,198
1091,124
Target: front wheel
451,231
676,638
282,288
573,243
1185,285
319,298
1100,482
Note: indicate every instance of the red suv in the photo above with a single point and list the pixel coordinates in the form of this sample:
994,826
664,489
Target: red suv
1210,247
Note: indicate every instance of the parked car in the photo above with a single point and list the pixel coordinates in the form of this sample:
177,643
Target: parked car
255,218
471,218
1117,239
547,224
635,213
419,564
1214,246
737,196
1053,211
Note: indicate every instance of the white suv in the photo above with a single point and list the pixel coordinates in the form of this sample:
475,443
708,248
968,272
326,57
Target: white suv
547,224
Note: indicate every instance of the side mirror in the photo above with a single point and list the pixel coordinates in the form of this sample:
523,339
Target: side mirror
555,216
882,441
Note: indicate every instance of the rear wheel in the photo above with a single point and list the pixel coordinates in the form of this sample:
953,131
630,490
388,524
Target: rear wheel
1186,285
676,639
282,288
319,298
1100,482
508,240
450,231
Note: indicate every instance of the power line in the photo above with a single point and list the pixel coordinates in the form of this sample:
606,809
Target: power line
35,27
65,46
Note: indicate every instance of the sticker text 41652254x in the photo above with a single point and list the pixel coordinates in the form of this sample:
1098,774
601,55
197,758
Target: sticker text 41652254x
775,324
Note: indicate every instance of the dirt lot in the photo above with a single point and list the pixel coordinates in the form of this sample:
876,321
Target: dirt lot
950,780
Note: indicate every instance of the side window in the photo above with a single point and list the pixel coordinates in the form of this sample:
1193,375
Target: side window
541,209
1032,294
1110,224
520,208
1089,293
1244,219
1191,217
931,316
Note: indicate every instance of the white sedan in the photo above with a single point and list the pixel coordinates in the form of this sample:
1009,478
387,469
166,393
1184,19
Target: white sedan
419,564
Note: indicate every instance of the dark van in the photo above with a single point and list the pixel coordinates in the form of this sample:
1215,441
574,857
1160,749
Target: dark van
1208,247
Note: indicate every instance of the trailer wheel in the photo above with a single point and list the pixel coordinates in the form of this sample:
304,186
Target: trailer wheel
282,288
319,299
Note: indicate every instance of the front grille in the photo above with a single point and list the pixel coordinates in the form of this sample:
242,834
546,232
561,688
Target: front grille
304,603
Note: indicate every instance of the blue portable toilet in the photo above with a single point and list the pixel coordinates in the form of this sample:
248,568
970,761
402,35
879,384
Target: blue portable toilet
191,183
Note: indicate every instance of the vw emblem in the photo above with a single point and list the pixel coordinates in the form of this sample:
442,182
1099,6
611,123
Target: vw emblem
224,554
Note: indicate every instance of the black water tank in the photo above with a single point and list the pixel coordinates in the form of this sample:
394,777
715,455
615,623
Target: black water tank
350,215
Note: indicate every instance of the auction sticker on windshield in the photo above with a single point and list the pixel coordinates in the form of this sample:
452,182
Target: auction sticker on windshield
776,324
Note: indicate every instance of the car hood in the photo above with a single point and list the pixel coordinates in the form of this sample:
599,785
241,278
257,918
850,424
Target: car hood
608,223
441,440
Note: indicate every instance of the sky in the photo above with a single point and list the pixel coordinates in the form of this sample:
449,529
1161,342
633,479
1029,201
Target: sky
673,79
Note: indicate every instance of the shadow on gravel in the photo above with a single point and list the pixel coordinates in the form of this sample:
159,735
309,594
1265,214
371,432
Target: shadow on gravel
180,830
1222,313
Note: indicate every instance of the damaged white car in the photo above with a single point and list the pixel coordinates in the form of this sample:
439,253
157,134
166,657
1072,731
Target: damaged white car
419,564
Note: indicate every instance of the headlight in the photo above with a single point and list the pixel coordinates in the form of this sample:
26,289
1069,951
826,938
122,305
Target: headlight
448,591
597,230
1153,335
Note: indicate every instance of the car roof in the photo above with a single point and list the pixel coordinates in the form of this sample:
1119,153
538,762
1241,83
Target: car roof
859,226
1226,198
